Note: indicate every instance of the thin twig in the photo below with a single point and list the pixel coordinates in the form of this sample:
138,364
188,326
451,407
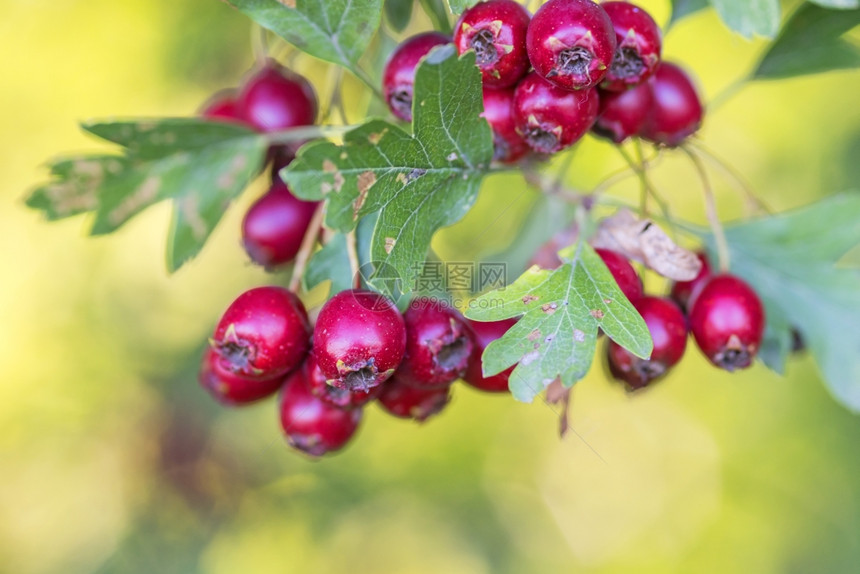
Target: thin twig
352,254
307,246
740,183
711,210
646,182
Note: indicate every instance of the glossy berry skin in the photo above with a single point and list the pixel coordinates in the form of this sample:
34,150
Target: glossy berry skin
549,118
483,334
623,114
438,345
683,292
275,99
496,31
727,320
275,225
677,110
264,333
399,75
668,328
623,273
232,389
508,145
310,424
638,46
571,43
359,339
223,107
408,402
334,396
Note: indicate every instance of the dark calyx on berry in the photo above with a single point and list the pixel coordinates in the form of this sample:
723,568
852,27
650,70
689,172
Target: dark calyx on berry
627,63
576,60
485,48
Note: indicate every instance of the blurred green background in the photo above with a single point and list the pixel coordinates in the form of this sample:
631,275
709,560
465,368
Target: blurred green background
114,461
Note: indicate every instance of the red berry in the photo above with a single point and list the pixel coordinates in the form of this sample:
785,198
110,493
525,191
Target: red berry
668,329
550,118
399,74
508,145
275,99
222,106
438,345
677,110
623,273
638,46
408,402
232,389
622,114
683,292
496,31
310,424
275,225
263,334
571,43
359,339
483,334
340,398
727,321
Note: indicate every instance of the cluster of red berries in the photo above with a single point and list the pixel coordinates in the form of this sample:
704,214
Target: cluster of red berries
576,65
361,349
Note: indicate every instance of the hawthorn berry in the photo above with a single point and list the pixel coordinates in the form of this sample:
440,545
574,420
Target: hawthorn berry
399,74
623,273
622,114
484,333
496,31
310,424
359,339
727,320
438,345
222,106
571,43
275,99
668,328
638,46
263,334
335,396
676,112
550,118
407,402
683,292
508,145
230,388
275,225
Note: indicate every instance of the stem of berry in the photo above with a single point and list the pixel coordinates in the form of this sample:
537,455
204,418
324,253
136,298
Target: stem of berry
711,210
641,172
308,242
352,254
307,133
753,202
259,44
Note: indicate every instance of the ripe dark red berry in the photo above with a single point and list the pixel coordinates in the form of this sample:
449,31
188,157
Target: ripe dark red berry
508,145
677,110
496,31
310,424
399,74
483,334
550,118
263,334
275,99
232,389
359,339
623,273
638,45
438,345
668,329
222,106
727,321
275,225
622,114
683,292
340,398
408,402
571,43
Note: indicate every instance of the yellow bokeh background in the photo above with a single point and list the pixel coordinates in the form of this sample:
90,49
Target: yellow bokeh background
113,460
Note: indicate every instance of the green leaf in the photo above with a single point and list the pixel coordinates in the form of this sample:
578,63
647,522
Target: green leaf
332,261
398,13
200,165
749,17
838,4
811,43
336,31
419,183
683,8
561,311
790,260
438,14
458,6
